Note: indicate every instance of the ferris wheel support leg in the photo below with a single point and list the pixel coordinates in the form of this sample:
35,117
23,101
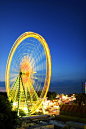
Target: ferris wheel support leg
43,109
9,98
18,95
25,96
30,94
15,94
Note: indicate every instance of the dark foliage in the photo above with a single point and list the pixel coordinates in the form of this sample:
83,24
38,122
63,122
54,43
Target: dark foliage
80,98
51,95
8,118
4,94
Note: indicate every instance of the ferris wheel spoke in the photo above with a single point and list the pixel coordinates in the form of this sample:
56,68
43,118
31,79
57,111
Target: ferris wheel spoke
14,75
37,74
16,58
24,92
23,49
38,86
15,67
12,79
15,64
37,58
39,77
38,68
40,63
37,49
34,78
19,57
31,62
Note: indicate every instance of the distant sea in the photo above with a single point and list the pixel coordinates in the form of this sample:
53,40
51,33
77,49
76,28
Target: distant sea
59,87
67,87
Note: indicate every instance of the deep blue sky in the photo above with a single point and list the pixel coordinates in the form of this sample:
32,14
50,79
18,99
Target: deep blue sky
63,25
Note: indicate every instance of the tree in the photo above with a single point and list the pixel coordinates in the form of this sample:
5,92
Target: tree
49,94
4,94
51,97
54,94
8,118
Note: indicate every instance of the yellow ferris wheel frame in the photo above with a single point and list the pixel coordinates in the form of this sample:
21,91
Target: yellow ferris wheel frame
48,64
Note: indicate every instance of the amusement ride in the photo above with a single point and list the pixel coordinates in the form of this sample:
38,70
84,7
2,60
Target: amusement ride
28,71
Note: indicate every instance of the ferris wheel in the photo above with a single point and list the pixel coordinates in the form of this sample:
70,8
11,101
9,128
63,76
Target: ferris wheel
28,72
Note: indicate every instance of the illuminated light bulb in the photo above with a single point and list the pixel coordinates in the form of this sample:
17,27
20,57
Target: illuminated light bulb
37,110
14,104
26,110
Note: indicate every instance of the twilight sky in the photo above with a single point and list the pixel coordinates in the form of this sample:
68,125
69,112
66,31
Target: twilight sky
62,23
